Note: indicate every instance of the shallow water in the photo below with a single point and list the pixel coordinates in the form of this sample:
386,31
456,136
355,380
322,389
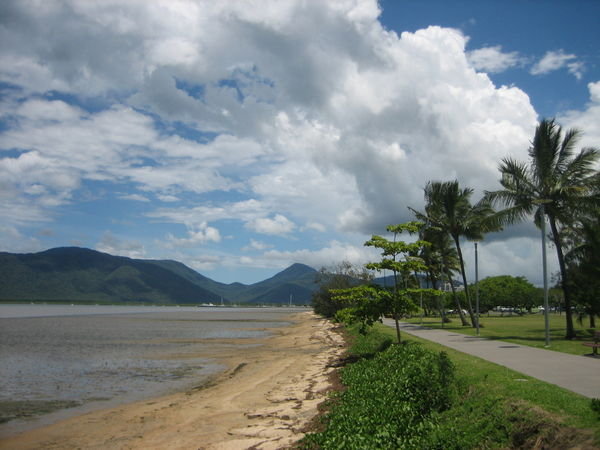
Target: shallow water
96,356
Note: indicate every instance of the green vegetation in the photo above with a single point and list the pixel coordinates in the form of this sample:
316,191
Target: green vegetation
365,304
514,292
583,265
556,184
421,395
340,276
527,329
448,210
86,276
390,400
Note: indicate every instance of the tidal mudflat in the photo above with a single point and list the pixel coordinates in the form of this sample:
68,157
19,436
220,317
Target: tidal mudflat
60,361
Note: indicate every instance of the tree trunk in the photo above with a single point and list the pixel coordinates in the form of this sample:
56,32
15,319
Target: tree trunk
592,321
464,277
463,320
397,328
564,280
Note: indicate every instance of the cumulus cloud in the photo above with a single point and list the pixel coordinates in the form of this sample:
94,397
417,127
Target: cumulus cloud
335,251
587,120
296,112
198,235
256,245
493,59
278,225
557,59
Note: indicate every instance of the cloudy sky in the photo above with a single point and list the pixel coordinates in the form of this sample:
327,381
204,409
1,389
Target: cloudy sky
240,137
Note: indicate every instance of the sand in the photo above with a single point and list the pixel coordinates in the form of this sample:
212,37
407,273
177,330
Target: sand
266,397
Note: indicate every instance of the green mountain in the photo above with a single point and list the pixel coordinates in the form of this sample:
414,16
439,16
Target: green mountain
79,274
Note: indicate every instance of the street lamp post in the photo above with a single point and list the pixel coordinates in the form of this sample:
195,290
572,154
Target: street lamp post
476,290
443,290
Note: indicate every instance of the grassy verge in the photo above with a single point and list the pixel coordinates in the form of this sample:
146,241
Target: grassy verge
528,329
488,406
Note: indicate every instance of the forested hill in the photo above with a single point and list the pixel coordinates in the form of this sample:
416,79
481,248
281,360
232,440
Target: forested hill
80,274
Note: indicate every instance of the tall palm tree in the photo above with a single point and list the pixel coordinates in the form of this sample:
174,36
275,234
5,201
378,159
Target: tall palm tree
556,183
449,208
442,259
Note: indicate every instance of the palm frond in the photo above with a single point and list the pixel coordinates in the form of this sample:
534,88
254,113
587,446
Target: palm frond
581,169
567,148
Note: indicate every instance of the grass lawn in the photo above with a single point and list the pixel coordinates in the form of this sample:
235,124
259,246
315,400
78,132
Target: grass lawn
499,382
528,329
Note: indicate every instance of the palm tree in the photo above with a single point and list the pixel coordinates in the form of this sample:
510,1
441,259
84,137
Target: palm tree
442,259
583,265
557,183
448,208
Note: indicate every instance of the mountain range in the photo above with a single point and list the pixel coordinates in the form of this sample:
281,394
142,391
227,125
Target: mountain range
84,275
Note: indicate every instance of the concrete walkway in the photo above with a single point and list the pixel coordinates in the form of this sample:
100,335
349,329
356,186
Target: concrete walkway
580,374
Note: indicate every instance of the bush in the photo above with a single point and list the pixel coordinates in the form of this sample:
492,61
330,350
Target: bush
389,400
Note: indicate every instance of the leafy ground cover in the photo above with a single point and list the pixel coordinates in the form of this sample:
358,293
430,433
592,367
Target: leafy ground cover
528,329
423,395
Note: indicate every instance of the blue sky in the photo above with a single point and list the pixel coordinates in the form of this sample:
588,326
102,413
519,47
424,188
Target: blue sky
240,137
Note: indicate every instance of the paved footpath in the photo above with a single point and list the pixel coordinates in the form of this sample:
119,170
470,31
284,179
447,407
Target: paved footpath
580,374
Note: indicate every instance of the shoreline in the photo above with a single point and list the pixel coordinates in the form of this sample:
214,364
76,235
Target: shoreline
264,398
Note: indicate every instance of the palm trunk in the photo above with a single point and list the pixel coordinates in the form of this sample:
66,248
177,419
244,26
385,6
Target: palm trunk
563,275
463,320
464,277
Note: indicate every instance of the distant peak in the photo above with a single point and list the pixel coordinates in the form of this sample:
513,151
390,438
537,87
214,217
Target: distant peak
299,266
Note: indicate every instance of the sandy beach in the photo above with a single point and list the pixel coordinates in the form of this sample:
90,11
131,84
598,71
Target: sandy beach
263,400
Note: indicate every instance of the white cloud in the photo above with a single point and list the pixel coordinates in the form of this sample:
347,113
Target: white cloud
246,211
493,60
587,120
279,225
315,226
335,252
167,198
555,60
12,240
134,197
198,235
296,112
117,246
524,254
257,245
358,114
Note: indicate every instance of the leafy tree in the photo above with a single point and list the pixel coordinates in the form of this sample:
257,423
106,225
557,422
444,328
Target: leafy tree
506,290
556,183
449,208
339,276
368,303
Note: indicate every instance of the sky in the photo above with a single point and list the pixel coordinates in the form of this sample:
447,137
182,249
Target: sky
240,137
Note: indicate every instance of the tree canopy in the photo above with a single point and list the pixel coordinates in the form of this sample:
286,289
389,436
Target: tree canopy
509,291
556,184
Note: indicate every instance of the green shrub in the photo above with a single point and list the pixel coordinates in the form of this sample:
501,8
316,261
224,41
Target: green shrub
390,400
595,405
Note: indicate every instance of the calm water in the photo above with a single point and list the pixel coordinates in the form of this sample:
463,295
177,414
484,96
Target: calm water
100,355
